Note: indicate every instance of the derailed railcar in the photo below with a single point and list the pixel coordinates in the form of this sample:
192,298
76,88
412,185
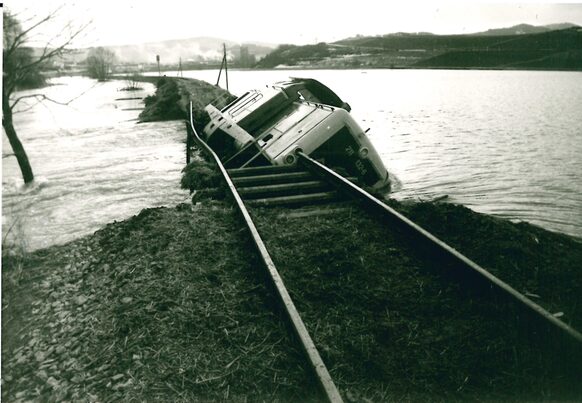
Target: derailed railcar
269,126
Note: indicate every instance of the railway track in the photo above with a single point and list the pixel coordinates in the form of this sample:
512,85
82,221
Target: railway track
311,183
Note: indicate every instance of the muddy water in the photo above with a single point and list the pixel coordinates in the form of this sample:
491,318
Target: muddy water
507,143
93,163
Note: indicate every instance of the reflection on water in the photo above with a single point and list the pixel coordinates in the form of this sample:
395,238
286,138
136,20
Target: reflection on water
507,143
93,163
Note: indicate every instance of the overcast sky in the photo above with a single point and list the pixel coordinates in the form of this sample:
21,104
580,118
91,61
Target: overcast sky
117,22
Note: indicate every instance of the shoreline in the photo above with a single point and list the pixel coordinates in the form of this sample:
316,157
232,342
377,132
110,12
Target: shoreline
169,304
153,78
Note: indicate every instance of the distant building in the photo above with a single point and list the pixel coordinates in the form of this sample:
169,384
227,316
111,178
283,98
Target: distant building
246,59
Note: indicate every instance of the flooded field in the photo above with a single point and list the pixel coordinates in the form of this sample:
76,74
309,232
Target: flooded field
507,143
93,164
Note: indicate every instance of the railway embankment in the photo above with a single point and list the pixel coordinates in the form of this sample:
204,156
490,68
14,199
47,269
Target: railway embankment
390,324
173,96
171,304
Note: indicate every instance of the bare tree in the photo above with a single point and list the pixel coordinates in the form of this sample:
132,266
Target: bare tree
132,82
22,67
100,62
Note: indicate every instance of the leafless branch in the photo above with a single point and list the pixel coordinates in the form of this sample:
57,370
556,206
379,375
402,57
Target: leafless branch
48,53
38,101
40,97
54,47
21,37
18,15
43,97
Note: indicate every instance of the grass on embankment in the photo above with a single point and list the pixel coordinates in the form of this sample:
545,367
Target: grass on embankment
391,326
173,95
542,264
171,305
168,305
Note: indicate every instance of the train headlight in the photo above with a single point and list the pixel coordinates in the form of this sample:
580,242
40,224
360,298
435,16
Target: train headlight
290,159
363,152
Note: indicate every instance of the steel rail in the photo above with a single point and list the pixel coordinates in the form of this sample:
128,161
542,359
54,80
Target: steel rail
437,245
317,365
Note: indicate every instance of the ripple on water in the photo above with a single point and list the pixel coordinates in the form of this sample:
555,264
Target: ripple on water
485,138
89,176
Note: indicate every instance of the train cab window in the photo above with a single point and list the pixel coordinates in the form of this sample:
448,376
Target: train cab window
251,100
227,107
306,95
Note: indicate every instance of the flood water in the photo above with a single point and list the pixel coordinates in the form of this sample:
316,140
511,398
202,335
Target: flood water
93,164
507,143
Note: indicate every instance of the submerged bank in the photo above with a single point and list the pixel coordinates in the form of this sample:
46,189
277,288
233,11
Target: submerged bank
170,305
93,164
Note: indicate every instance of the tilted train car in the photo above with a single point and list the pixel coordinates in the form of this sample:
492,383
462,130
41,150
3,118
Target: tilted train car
269,125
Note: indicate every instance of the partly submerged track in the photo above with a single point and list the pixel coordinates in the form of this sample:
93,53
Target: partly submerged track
310,182
316,363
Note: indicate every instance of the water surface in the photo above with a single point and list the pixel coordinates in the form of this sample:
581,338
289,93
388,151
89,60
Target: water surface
507,143
93,163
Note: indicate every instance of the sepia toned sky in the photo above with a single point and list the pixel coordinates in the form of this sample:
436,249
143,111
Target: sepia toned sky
117,22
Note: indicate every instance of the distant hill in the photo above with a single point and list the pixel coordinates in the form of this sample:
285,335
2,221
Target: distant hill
191,49
563,25
524,29
552,49
200,49
548,50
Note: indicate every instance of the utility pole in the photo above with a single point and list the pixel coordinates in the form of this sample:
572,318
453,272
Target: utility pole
223,64
158,60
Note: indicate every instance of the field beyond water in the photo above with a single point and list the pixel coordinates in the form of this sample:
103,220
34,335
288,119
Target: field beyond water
171,305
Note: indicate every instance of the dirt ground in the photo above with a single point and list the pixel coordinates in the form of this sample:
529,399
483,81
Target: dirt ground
167,305
171,305
392,326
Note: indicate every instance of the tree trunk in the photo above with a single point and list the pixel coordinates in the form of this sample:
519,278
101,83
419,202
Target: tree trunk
17,147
